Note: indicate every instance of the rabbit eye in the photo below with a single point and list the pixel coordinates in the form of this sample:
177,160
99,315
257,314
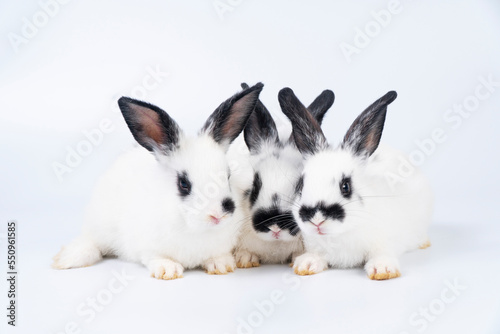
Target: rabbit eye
345,187
183,184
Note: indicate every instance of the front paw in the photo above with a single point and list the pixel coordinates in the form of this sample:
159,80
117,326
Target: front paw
165,269
220,265
245,259
309,264
382,268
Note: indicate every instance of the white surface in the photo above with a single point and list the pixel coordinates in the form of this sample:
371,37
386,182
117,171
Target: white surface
68,77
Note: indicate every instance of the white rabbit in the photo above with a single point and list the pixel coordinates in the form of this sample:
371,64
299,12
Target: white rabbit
270,233
355,206
169,207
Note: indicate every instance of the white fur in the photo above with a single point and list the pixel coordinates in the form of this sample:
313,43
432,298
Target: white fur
137,214
383,218
279,169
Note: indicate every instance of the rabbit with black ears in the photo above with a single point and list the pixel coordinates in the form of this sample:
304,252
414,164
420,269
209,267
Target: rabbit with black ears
168,206
270,233
350,211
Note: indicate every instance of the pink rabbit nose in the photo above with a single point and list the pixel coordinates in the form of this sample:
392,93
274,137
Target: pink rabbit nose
215,220
275,231
318,225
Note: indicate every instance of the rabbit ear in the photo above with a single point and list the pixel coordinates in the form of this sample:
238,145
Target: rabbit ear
321,104
150,126
364,134
260,127
306,131
229,119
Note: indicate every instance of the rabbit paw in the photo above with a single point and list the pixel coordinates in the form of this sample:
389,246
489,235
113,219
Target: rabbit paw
382,268
79,253
425,244
309,264
245,259
165,269
220,265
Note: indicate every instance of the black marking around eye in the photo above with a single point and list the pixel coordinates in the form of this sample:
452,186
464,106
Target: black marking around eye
228,205
264,218
299,186
183,184
346,187
257,185
334,211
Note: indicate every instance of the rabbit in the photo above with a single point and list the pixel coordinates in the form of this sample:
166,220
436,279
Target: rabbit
168,206
348,207
270,234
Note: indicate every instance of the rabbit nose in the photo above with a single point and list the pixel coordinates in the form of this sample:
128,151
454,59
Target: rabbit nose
275,228
316,224
214,219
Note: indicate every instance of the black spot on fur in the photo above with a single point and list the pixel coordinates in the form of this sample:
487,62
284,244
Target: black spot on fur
228,205
334,211
183,184
257,185
307,212
275,199
264,218
299,185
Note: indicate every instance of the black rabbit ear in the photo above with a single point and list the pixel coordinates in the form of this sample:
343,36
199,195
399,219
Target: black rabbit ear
306,131
321,104
229,119
152,127
260,127
364,134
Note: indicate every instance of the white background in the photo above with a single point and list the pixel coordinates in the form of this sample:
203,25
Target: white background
64,80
